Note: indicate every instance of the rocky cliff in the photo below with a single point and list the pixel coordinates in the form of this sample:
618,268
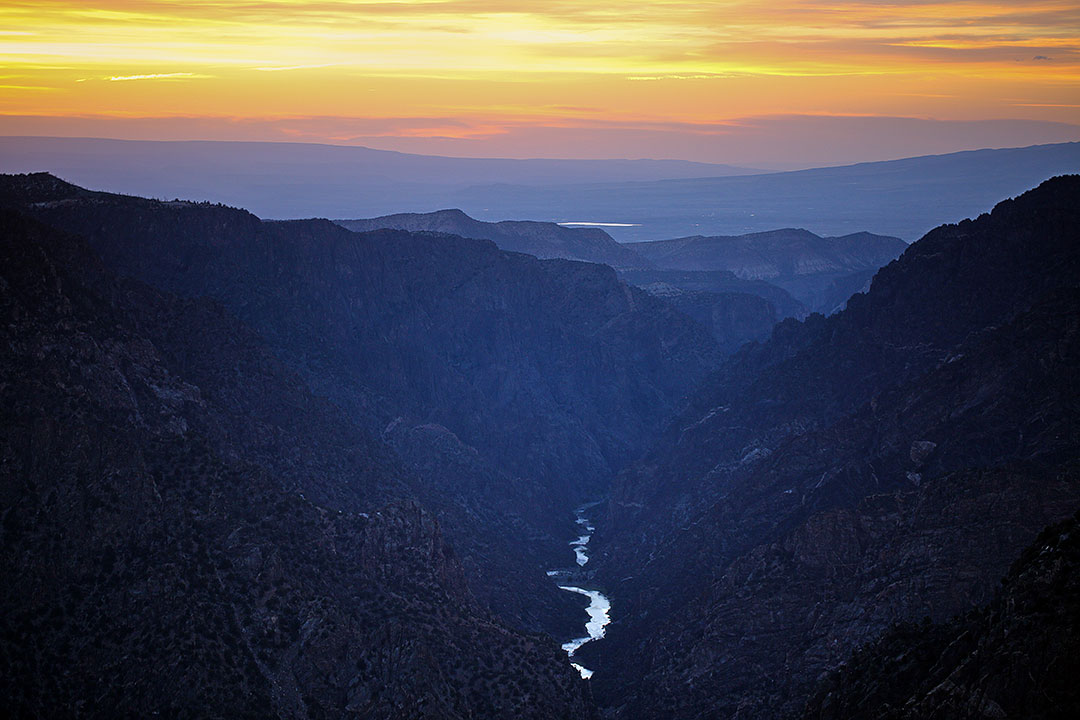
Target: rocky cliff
542,376
187,531
883,464
1015,657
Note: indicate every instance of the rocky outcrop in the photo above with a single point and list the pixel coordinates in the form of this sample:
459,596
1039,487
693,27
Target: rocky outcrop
1015,657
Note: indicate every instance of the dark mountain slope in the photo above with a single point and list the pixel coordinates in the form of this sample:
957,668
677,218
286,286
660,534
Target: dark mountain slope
507,536
152,565
881,464
982,664
541,239
799,261
540,377
734,315
553,369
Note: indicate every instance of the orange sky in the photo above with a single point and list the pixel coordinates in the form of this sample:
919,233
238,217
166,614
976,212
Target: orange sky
397,74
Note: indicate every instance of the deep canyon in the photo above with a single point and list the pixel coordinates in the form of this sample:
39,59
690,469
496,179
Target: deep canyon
423,466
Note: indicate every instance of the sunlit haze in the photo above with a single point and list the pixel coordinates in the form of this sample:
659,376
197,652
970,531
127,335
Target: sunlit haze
719,81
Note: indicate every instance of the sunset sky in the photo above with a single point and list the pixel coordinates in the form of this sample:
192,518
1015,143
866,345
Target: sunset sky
561,78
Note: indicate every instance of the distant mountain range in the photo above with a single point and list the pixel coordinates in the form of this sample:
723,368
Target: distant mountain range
904,198
540,239
302,180
737,287
816,271
715,282
658,199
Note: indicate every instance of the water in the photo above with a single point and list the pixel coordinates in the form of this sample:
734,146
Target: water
599,224
599,606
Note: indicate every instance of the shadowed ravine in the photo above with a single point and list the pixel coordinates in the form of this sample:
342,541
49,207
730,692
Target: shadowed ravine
599,608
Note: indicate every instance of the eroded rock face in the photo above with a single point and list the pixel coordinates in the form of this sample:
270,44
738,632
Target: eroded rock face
883,464
173,545
1016,657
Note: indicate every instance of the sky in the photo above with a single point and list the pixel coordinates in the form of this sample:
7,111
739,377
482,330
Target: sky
795,81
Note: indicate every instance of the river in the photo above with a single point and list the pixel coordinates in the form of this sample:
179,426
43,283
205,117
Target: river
599,606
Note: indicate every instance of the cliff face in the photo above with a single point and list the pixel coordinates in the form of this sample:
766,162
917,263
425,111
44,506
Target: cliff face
883,464
544,240
1016,657
173,544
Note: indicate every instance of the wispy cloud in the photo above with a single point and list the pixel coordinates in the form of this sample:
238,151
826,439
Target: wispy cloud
957,59
159,76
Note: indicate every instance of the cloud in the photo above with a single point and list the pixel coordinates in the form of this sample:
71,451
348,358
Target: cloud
159,76
497,58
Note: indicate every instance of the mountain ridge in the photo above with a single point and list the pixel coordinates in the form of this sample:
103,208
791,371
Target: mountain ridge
161,552
904,198
851,471
801,262
542,240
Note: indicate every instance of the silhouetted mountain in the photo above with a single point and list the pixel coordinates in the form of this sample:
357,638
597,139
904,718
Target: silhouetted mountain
905,198
1016,657
883,464
798,261
299,180
188,532
543,240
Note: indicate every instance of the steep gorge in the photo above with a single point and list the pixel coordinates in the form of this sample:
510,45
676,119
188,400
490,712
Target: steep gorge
341,463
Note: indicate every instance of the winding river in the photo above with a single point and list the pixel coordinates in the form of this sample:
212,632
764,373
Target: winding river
599,606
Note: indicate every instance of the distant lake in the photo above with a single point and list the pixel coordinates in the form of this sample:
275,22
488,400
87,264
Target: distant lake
599,224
